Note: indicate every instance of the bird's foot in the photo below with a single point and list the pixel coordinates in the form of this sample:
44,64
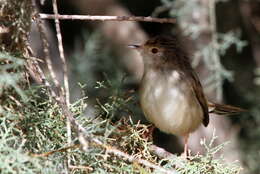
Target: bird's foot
186,155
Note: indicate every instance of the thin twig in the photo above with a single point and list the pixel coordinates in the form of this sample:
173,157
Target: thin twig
140,161
46,154
45,45
37,74
65,70
61,51
82,167
107,18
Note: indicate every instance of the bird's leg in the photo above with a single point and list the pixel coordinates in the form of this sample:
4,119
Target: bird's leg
186,137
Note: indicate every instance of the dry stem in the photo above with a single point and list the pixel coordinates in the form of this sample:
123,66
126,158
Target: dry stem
65,93
107,18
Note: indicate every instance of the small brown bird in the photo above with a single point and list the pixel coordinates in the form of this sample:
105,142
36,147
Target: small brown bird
171,94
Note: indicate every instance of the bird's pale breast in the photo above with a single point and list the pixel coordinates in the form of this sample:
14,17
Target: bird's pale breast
169,103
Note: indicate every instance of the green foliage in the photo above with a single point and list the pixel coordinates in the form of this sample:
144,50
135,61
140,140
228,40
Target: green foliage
15,107
226,40
204,163
16,19
13,158
10,73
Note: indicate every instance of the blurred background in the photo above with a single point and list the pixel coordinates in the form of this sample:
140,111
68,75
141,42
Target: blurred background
221,37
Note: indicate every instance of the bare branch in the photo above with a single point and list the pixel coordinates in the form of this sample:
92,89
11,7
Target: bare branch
45,44
161,152
61,51
140,161
65,92
107,18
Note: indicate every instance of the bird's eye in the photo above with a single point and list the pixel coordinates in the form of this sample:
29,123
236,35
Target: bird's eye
154,50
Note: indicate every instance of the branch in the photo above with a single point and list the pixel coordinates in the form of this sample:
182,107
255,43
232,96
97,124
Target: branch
65,71
107,18
61,51
161,152
45,44
140,161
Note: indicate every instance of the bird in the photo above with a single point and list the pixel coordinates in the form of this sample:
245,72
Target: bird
171,94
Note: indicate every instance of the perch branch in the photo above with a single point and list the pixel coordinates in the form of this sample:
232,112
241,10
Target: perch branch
107,18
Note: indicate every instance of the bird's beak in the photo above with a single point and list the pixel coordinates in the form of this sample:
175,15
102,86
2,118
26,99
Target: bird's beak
134,46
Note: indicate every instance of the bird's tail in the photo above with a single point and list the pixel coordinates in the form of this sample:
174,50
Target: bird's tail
222,109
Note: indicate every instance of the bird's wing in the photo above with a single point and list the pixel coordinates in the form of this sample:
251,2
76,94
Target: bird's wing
197,88
222,109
